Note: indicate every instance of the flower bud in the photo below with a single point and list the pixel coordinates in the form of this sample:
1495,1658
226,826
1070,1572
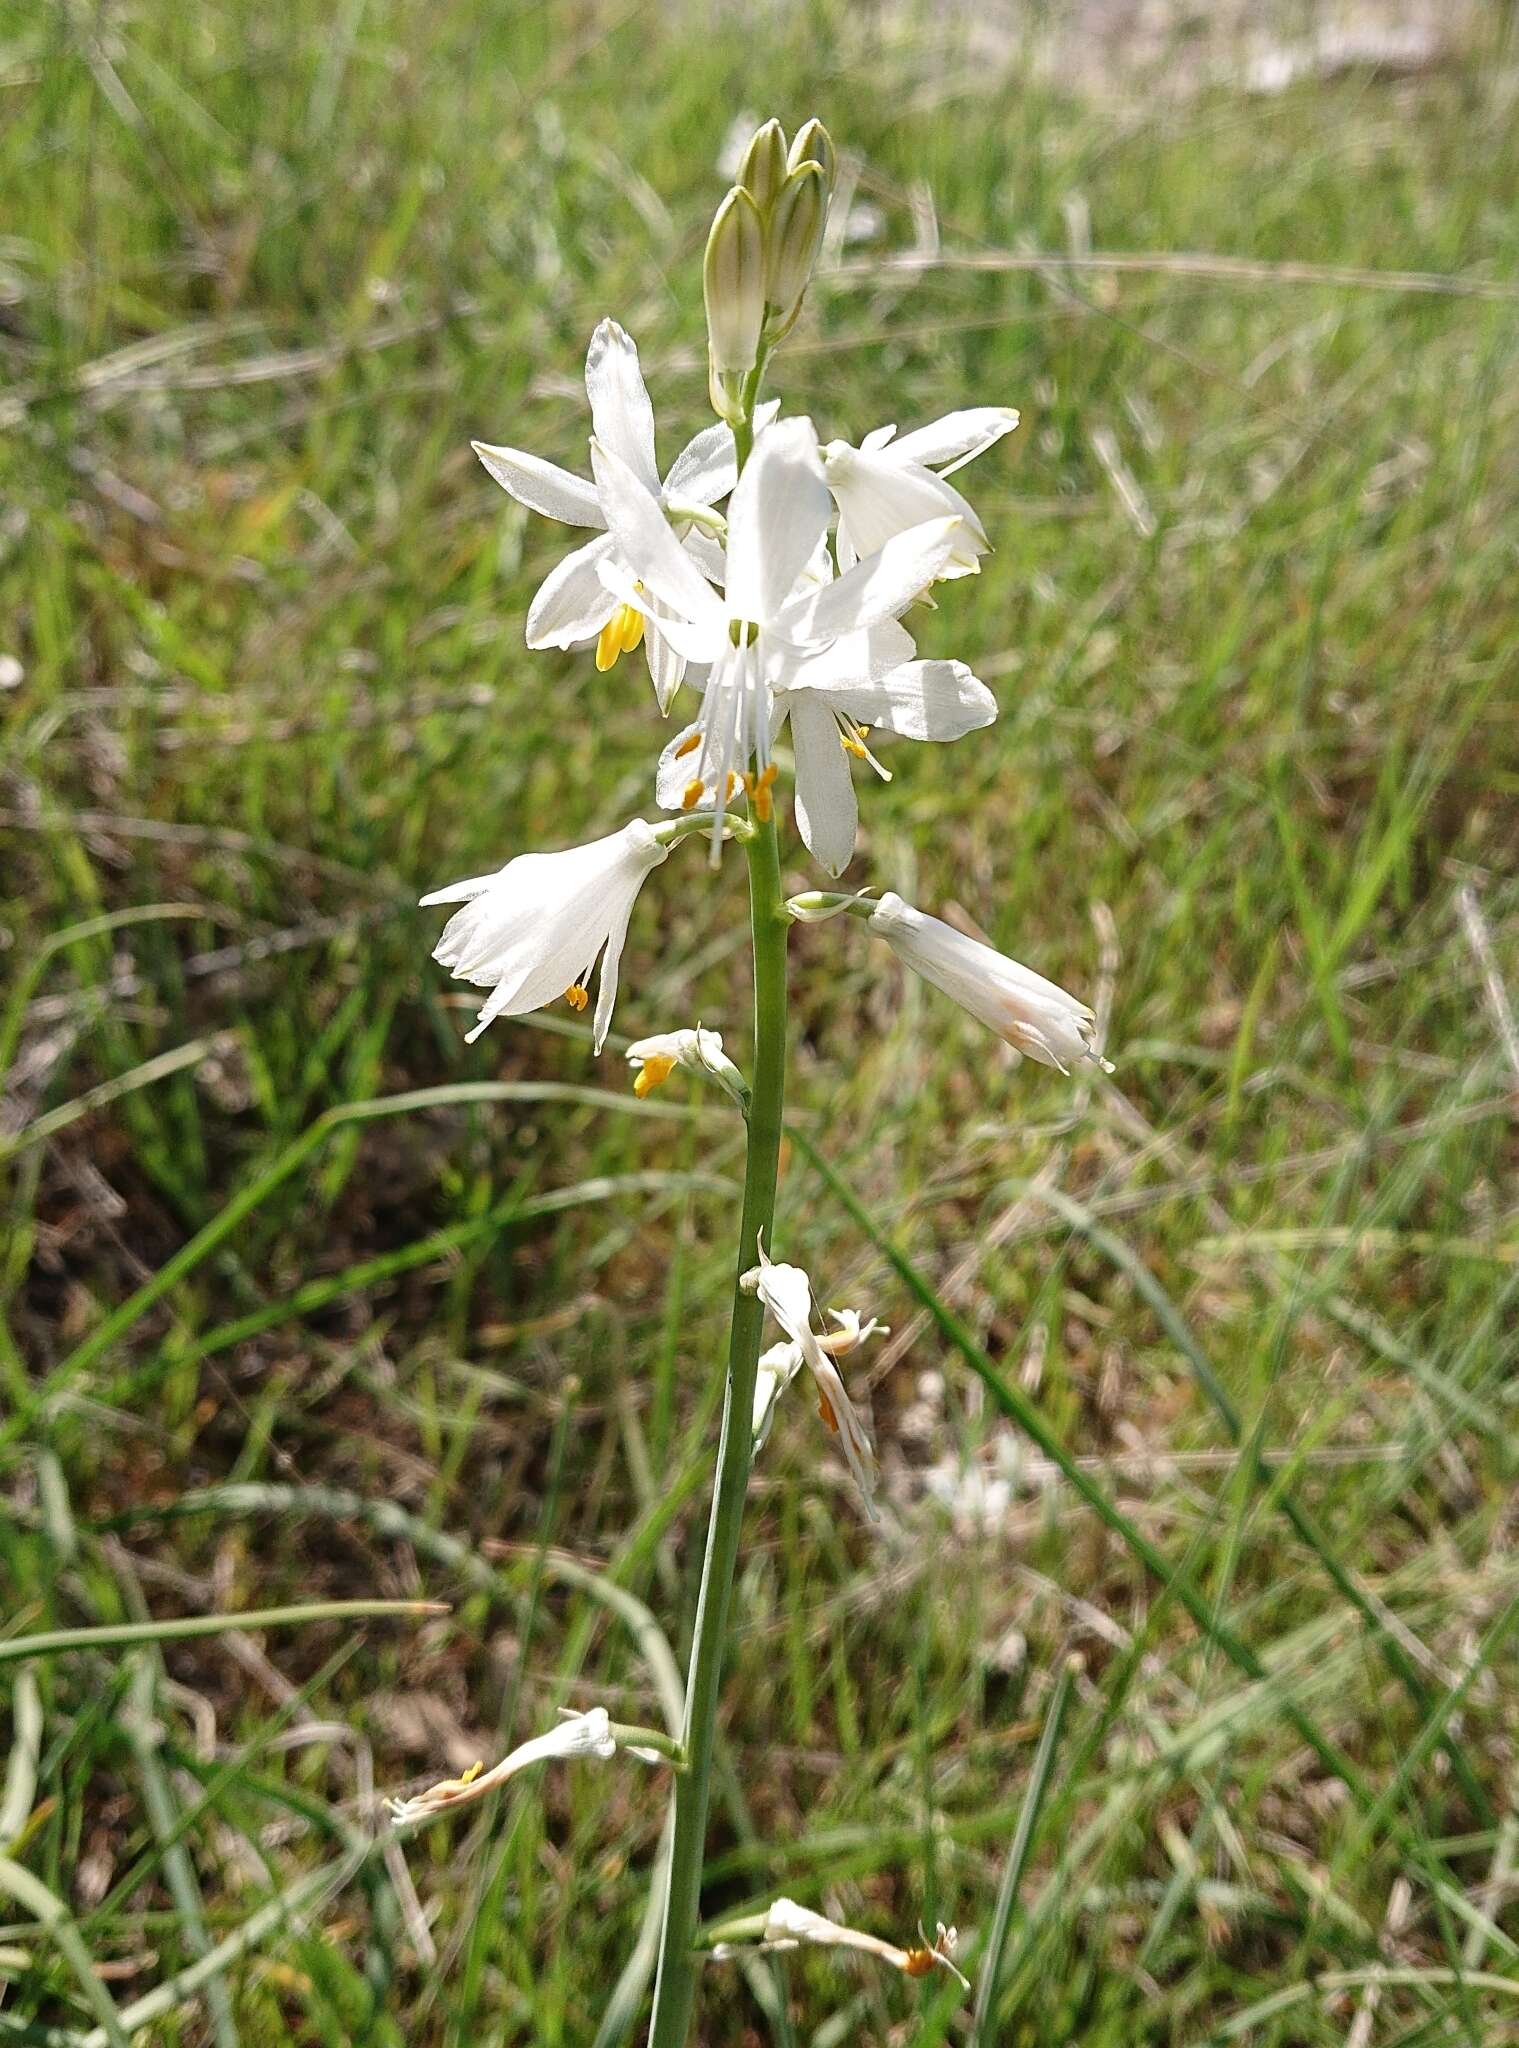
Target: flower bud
814,145
763,169
733,284
795,235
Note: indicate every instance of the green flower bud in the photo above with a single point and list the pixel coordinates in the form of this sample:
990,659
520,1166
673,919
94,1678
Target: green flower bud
733,285
763,170
796,233
814,145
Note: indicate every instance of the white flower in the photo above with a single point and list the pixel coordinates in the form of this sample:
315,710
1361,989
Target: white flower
573,606
533,930
1032,1014
788,1925
886,485
865,682
655,1060
581,1735
779,1366
787,1293
771,616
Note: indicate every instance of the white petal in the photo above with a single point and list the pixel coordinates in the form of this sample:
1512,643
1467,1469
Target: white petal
877,438
879,496
646,543
706,469
667,665
880,587
621,414
854,660
460,892
826,812
704,642
677,768
572,603
542,486
946,444
776,517
921,700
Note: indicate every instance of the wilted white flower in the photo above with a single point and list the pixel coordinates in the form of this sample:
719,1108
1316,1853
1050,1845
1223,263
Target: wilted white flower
787,1293
770,617
581,1735
779,1366
1032,1014
887,485
532,931
573,606
655,1060
788,1925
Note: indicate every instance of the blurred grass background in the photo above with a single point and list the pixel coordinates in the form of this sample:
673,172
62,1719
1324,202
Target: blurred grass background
263,273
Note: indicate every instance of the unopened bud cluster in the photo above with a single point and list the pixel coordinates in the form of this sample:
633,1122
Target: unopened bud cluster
764,242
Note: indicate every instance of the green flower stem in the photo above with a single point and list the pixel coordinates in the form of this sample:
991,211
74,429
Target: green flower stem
675,1986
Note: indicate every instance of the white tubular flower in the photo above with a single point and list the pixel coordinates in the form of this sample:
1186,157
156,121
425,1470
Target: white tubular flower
865,682
581,1735
887,485
573,606
787,1293
655,1060
1033,1015
788,1925
771,616
532,931
779,1366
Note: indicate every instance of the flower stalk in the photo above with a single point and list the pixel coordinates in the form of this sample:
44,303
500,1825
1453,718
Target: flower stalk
675,1983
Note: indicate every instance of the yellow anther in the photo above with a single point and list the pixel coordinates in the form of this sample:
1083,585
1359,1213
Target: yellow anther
468,1777
620,635
691,795
656,1069
919,1962
732,785
853,745
826,1414
758,787
576,996
688,745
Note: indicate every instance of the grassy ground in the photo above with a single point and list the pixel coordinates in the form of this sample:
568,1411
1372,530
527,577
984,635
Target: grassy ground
1251,622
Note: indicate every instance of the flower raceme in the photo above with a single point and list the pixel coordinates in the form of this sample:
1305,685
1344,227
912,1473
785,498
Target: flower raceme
787,1293
773,616
1033,1015
533,931
574,607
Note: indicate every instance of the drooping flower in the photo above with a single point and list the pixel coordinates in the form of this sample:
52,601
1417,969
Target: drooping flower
1033,1015
533,930
573,606
887,485
656,1058
779,1366
787,1293
771,617
788,1925
587,1734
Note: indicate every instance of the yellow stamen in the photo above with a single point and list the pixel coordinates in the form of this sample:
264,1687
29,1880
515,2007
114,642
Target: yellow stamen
576,996
656,1069
620,635
468,1777
632,628
759,787
826,1414
732,785
691,796
919,1963
852,745
688,745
